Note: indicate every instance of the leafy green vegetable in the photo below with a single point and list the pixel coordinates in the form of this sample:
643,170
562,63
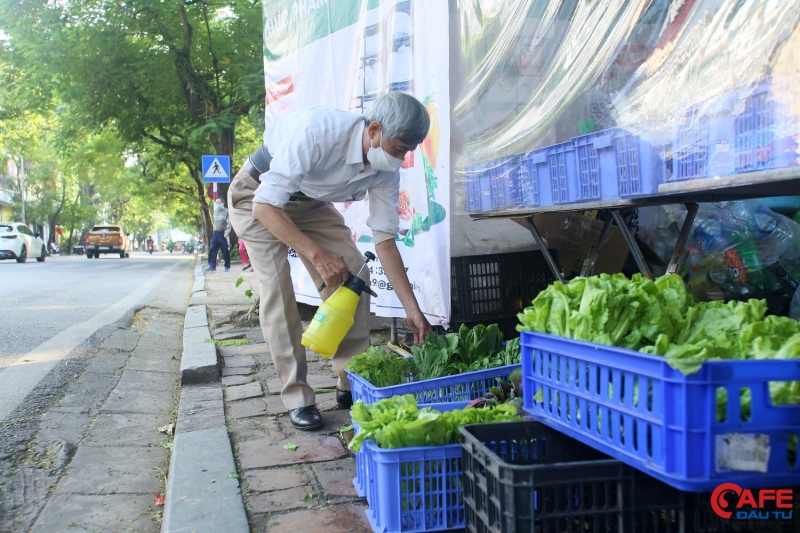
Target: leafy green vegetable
468,350
381,368
433,358
397,422
291,447
660,317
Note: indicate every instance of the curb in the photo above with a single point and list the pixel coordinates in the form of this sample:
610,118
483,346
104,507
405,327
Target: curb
203,493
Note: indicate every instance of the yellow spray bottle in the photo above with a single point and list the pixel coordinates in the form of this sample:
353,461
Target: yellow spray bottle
334,317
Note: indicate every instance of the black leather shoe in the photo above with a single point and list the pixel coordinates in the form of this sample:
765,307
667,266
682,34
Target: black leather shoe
344,399
306,418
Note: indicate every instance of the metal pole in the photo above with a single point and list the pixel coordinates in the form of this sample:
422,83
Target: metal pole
540,242
594,254
22,188
632,246
679,253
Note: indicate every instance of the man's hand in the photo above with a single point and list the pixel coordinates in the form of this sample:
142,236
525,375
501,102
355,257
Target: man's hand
419,325
331,268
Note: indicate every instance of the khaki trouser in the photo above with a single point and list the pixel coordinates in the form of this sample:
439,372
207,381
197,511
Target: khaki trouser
280,319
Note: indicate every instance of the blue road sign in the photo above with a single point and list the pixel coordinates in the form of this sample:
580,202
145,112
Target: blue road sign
216,169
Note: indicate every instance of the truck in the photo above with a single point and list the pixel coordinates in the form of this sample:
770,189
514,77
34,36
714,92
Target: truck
107,239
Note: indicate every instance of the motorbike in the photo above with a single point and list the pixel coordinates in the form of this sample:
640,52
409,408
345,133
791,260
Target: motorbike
150,249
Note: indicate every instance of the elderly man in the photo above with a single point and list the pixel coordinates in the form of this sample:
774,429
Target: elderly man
282,197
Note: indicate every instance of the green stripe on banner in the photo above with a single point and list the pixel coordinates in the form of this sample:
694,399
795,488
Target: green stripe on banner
292,24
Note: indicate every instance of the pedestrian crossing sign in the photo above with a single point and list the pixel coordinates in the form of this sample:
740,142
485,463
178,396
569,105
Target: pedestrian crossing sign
216,169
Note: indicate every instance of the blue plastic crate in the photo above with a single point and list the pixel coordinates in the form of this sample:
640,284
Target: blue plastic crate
362,479
765,130
704,140
562,168
504,186
461,387
414,489
478,186
673,432
615,163
533,178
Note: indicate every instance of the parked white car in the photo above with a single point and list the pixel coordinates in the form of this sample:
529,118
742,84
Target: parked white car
18,242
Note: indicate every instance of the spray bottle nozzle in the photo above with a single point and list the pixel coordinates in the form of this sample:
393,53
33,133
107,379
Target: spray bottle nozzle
368,256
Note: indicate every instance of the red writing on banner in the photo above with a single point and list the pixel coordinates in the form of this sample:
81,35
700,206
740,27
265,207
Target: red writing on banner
283,88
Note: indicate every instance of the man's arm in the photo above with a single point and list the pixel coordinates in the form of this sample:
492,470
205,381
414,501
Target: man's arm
332,268
392,264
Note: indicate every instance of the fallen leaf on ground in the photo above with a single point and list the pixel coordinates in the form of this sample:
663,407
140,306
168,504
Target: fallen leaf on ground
159,500
291,447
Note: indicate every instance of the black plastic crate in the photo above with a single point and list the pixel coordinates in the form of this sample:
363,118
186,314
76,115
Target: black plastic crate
527,477
508,326
490,287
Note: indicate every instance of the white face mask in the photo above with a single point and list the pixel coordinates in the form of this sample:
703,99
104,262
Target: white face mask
380,160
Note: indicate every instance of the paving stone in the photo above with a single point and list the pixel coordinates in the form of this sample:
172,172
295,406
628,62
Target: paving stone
264,453
68,426
108,362
128,428
315,382
168,365
201,407
242,392
139,401
224,336
326,401
118,469
196,316
336,477
276,479
256,336
124,340
81,513
238,371
222,329
244,349
148,381
238,361
280,500
248,408
230,381
275,405
345,518
257,427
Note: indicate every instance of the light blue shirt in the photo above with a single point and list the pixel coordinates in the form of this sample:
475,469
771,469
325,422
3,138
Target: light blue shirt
317,151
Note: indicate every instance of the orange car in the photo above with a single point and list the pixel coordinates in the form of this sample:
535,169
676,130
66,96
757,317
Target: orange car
107,240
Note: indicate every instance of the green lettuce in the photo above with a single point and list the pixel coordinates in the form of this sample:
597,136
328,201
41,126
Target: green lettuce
397,422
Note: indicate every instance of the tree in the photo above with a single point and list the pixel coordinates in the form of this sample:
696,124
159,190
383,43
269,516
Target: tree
172,78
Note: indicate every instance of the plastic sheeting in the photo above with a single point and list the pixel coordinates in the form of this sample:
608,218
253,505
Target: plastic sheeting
531,73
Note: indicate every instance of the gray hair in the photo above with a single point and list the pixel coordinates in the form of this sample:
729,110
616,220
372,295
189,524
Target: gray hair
401,117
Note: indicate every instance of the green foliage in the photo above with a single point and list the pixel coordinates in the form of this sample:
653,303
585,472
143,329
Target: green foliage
397,422
381,368
660,317
163,82
440,355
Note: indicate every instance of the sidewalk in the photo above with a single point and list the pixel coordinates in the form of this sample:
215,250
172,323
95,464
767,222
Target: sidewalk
290,480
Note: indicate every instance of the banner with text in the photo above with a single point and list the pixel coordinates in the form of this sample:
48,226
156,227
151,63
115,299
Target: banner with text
344,54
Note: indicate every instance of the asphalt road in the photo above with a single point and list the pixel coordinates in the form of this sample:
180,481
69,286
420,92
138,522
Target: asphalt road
48,309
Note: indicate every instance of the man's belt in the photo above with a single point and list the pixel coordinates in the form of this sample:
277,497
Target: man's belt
255,173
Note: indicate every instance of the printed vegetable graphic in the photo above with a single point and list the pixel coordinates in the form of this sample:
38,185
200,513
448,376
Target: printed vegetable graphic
430,153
